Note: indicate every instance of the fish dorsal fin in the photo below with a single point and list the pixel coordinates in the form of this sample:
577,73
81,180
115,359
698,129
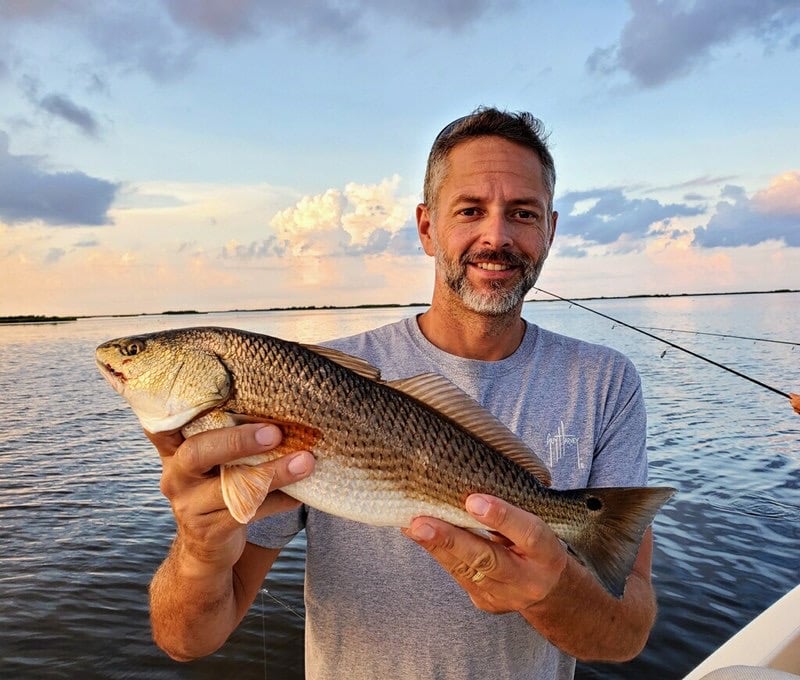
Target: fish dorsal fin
355,364
438,392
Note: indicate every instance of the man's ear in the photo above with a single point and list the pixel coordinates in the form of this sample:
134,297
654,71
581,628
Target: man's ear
425,229
553,221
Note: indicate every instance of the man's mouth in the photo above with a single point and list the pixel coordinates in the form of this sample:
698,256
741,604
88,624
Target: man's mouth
493,260
492,266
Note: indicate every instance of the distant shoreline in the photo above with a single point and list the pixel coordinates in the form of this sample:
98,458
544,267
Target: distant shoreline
42,319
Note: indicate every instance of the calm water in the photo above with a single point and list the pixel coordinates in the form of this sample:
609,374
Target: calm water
83,525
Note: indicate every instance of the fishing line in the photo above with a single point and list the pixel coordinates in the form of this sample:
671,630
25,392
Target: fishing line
667,342
723,335
264,633
283,604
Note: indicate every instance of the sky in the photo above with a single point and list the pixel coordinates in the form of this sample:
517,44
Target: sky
245,154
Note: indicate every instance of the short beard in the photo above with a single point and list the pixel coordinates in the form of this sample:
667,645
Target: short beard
498,300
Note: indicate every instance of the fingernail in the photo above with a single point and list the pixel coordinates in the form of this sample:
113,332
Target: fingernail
299,465
423,532
266,436
477,505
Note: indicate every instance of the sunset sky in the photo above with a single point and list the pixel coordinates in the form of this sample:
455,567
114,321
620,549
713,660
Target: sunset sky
219,154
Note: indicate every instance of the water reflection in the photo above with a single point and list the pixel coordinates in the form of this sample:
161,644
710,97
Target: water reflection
84,525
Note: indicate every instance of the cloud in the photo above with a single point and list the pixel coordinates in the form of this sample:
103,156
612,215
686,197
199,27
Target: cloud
163,38
29,192
606,216
663,41
694,183
230,22
54,255
453,15
87,243
61,106
771,214
363,219
269,247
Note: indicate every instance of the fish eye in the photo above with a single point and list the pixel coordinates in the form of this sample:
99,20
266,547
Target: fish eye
132,347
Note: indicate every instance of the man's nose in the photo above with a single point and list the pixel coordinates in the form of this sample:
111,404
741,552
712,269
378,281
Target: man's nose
496,232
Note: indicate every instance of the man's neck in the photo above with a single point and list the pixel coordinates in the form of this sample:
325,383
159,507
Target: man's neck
470,335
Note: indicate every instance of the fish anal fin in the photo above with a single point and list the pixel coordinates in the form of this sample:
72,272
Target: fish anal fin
244,489
355,364
439,393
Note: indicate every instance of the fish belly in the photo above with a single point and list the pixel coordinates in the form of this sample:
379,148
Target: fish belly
362,496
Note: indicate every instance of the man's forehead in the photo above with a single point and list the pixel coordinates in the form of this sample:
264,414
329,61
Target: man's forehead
474,163
494,154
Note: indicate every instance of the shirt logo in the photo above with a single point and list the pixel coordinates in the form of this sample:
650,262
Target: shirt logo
561,444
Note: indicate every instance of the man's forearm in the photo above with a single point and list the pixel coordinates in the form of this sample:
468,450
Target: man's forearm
192,613
583,620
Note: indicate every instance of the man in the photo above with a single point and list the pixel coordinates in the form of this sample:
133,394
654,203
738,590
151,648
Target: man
434,600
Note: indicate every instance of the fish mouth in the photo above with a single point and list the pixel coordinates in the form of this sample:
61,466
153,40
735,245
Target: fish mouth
115,378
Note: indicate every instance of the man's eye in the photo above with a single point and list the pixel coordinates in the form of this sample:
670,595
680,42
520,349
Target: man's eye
526,215
469,212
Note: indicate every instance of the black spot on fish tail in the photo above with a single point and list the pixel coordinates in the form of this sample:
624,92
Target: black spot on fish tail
594,504
618,518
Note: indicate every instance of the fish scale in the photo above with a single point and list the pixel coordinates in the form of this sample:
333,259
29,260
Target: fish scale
385,452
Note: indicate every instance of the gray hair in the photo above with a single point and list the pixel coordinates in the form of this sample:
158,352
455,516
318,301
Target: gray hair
520,128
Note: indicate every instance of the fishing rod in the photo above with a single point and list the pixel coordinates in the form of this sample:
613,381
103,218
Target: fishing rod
723,335
667,342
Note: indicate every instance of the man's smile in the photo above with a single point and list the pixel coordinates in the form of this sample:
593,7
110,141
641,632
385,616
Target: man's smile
492,266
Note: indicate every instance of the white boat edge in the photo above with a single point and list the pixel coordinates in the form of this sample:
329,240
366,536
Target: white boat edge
770,641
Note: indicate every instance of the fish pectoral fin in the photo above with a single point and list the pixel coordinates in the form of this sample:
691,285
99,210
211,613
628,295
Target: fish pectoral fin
244,488
439,393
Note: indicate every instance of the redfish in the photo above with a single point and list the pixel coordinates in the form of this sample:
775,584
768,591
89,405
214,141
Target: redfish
385,452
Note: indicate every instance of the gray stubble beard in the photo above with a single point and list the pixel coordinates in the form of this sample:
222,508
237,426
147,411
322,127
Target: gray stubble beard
498,301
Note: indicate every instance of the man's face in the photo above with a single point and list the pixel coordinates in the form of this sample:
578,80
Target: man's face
490,229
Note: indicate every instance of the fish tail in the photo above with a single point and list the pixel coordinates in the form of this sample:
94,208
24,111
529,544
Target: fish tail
617,520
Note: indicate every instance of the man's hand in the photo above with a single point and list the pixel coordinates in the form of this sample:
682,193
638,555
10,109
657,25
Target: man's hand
513,570
209,579
209,539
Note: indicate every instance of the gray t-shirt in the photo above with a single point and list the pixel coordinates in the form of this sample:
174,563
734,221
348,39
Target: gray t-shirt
377,605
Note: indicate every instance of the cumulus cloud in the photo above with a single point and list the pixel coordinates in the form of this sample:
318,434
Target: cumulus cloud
606,216
361,219
29,192
770,214
663,41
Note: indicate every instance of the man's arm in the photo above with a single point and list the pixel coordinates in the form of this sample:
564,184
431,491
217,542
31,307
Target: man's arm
529,571
211,575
